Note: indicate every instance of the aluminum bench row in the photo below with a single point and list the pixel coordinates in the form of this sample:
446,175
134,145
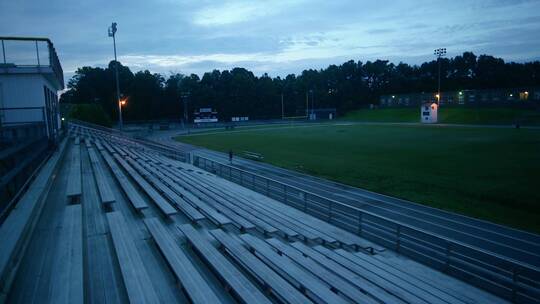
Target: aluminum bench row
180,195
213,210
136,280
190,279
242,288
68,279
200,189
105,192
329,230
164,187
74,185
157,198
132,194
314,288
189,192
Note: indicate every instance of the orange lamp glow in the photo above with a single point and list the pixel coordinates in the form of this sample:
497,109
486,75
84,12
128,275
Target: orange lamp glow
122,102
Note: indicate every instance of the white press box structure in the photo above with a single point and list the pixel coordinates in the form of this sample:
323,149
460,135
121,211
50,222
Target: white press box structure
30,78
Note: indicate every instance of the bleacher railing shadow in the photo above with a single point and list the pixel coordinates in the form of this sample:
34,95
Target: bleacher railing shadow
507,278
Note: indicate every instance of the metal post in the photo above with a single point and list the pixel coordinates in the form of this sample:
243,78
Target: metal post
312,102
4,51
282,108
439,82
117,86
112,33
37,53
514,282
307,104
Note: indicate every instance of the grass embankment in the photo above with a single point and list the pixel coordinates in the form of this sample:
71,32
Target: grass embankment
488,173
495,116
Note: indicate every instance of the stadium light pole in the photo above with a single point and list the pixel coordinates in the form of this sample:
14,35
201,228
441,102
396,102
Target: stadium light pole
440,52
112,33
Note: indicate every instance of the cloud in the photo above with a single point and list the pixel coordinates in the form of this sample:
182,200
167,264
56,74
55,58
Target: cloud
239,11
279,36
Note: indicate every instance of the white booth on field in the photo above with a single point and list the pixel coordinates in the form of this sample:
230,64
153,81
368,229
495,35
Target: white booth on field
428,112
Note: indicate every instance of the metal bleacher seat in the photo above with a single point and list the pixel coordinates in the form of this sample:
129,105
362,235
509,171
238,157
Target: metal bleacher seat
68,278
138,285
74,186
105,192
242,288
274,283
192,282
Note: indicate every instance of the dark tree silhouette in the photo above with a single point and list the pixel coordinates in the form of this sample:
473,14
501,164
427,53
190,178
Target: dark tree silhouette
239,92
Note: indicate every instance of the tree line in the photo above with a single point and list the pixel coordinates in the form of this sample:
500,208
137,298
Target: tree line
238,92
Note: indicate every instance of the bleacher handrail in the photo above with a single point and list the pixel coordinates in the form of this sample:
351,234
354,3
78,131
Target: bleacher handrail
455,252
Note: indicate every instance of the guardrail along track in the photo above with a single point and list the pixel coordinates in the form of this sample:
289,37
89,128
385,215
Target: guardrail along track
502,276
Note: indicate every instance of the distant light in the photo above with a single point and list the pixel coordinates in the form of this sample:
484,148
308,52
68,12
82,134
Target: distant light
437,95
460,93
393,96
526,93
123,102
511,95
63,119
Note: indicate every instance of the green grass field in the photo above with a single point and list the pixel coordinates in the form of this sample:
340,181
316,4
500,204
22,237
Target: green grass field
488,173
458,115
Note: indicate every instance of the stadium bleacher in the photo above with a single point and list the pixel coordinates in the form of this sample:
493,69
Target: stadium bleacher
149,228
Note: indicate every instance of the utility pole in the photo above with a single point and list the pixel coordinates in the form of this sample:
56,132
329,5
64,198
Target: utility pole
441,52
185,97
112,33
312,102
282,108
307,104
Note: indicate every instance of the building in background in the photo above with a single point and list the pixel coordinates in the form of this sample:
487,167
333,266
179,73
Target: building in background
465,97
30,78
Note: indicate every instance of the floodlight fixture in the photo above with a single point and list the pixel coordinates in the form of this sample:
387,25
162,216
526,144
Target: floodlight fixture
441,52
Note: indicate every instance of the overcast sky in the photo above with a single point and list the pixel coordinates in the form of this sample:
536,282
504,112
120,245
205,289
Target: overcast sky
277,37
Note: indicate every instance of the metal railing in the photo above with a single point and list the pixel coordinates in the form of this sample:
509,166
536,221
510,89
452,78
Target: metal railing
507,278
30,52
